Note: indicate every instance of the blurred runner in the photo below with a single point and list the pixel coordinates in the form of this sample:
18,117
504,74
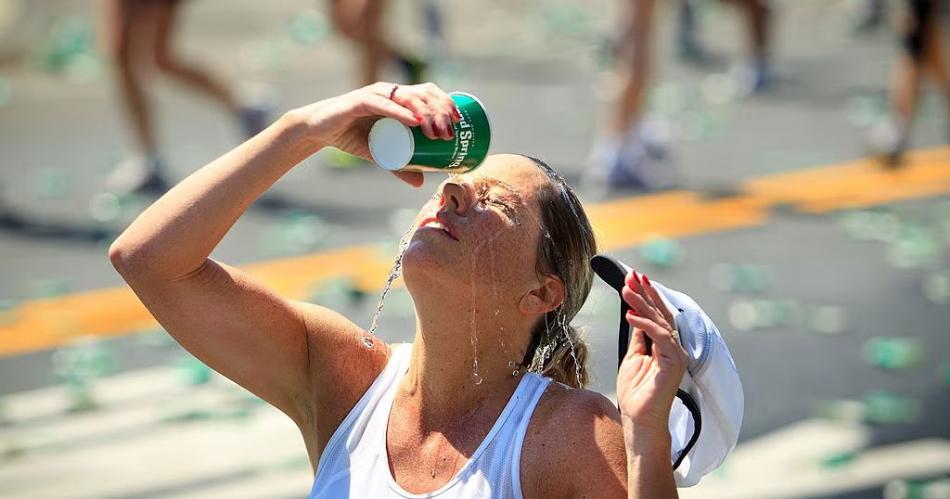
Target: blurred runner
361,22
624,153
140,36
921,55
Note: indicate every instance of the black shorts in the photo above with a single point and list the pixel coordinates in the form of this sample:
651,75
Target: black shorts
922,14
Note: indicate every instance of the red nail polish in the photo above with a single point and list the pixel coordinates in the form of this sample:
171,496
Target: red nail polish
633,276
417,117
456,112
646,280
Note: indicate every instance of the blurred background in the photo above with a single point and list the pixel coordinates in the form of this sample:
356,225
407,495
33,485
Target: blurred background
771,159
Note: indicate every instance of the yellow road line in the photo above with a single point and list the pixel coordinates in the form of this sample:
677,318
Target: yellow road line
856,184
42,324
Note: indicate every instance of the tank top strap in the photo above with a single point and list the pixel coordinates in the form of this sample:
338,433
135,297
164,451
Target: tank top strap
539,384
347,436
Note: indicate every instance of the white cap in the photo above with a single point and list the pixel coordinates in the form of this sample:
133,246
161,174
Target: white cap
706,415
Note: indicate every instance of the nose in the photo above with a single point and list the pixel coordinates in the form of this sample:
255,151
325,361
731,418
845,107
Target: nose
457,195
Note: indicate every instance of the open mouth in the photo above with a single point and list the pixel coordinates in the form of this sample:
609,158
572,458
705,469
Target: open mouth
436,224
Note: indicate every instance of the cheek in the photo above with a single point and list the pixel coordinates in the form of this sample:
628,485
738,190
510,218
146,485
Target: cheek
508,253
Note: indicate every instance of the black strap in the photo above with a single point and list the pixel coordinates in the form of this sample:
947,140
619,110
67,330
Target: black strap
694,411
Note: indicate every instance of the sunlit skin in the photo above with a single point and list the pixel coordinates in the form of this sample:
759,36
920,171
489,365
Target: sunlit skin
493,214
314,364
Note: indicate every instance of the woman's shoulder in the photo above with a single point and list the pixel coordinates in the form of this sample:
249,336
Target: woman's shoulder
577,402
574,441
344,359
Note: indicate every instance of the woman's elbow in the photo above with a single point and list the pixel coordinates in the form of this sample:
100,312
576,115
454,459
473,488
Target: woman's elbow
126,257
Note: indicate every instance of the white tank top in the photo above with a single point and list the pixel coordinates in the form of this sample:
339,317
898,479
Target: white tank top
355,461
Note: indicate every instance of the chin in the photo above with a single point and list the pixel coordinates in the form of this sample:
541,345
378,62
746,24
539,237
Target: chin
425,264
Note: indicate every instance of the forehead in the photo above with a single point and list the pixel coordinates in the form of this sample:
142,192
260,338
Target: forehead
517,172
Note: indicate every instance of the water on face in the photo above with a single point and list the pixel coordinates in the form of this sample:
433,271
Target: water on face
545,350
473,336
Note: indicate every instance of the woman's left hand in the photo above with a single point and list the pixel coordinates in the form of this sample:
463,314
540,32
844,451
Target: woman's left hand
649,374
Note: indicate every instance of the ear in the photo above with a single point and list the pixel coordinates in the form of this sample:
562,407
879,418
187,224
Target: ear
544,298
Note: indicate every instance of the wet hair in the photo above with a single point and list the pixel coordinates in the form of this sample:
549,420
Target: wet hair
566,245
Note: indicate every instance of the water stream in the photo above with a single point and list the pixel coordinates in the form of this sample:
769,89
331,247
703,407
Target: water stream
393,275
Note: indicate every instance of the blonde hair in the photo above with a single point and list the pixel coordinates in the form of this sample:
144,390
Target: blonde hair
565,248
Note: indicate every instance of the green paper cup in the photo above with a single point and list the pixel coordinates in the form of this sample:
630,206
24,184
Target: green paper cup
397,147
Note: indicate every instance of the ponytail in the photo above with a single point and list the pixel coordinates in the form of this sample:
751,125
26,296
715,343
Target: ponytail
559,351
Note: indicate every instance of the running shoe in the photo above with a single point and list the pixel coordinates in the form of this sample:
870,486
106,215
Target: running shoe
888,140
630,167
253,120
414,68
138,175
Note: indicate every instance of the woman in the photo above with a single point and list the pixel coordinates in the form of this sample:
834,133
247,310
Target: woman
497,268
922,57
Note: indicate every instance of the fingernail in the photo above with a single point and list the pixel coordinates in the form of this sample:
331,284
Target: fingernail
646,280
417,117
451,132
456,112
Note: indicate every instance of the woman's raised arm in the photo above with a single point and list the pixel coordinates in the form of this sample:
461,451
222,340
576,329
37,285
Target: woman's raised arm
647,382
265,343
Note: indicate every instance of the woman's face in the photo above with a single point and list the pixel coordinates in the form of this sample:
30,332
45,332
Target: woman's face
478,236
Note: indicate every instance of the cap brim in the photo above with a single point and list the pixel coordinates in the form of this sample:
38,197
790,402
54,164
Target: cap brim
611,271
614,273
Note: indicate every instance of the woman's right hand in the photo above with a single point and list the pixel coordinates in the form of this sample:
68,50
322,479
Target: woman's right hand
344,121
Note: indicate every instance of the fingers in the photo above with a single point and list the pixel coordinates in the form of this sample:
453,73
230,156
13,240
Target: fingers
652,305
658,300
420,110
376,105
640,305
638,344
448,114
434,109
635,281
664,344
414,179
